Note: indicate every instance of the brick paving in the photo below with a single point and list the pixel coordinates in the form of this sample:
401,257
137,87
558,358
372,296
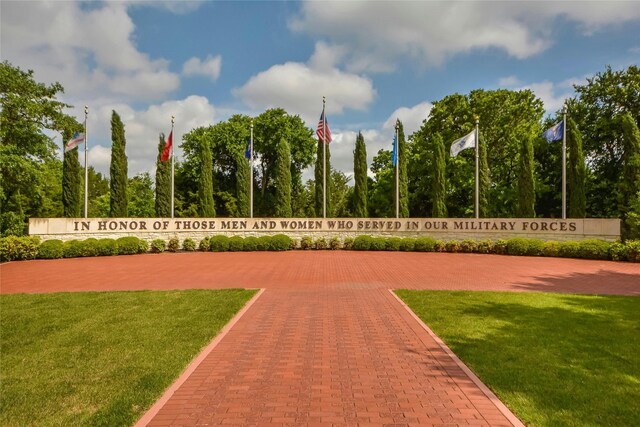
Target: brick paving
326,343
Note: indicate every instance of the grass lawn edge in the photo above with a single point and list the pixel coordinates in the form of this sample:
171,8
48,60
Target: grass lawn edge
193,365
476,380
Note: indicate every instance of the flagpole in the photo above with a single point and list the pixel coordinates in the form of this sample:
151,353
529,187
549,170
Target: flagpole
477,169
324,160
251,182
564,162
172,167
86,165
397,150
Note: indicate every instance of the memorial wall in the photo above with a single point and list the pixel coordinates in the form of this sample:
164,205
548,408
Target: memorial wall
438,228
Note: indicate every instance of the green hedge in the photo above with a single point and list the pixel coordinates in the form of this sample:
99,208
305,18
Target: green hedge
50,249
24,248
13,248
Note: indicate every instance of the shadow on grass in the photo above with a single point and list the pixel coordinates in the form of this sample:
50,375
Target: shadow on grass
553,359
604,282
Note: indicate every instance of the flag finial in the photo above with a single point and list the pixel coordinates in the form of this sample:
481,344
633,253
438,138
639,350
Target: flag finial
476,118
173,119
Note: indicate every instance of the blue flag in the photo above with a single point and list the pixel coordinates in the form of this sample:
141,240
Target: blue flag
394,159
247,152
555,132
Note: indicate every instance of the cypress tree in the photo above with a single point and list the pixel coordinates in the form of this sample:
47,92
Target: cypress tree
163,183
576,173
484,178
629,186
319,181
402,173
71,181
206,204
283,180
118,169
360,177
526,190
438,191
243,185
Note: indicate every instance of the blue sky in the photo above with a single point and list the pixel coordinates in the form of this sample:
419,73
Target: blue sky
374,61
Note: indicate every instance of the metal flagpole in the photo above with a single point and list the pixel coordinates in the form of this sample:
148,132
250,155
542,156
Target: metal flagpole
397,149
86,165
251,182
564,162
477,170
324,160
173,155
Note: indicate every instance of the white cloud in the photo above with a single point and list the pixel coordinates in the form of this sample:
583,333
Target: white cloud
89,50
411,117
376,34
509,81
142,128
299,87
210,67
553,95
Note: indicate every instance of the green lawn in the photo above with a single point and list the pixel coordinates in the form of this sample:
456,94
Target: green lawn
101,358
553,359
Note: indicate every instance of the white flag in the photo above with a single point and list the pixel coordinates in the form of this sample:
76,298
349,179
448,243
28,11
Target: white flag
467,141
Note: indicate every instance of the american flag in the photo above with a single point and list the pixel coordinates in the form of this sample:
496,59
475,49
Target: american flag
321,129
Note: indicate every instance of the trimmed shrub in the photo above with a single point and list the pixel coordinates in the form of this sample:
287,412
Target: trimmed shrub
468,246
188,245
500,247
440,246
306,243
525,246
425,244
320,243
264,243
18,248
236,244
158,246
347,243
107,247
89,247
407,244
143,246
204,244
378,244
72,248
128,245
551,248
484,247
173,245
250,243
393,243
594,249
334,243
294,244
362,243
50,249
618,252
633,250
569,249
219,244
452,246
280,242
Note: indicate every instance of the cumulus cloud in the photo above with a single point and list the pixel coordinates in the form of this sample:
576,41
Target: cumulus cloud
89,50
411,117
210,67
299,87
376,34
553,95
142,128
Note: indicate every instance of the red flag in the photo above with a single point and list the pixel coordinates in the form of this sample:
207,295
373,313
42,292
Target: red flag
323,132
167,148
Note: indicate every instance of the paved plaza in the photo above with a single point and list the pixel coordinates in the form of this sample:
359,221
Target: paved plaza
325,342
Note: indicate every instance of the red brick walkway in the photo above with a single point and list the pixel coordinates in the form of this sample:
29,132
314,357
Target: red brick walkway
326,343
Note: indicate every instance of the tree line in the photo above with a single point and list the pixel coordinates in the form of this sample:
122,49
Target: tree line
520,171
